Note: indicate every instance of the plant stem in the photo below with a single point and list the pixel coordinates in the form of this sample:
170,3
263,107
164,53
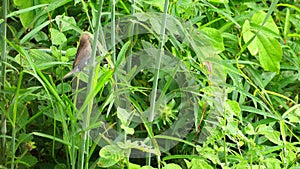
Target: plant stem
2,84
90,87
15,110
158,64
113,29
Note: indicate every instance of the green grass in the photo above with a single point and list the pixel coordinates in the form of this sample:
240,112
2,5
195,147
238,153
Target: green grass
184,84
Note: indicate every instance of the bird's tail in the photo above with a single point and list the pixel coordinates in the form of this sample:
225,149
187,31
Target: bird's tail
68,74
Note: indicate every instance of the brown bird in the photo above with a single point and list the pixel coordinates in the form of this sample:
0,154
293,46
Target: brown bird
83,55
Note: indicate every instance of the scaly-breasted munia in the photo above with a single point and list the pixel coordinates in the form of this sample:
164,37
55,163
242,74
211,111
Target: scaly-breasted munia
83,55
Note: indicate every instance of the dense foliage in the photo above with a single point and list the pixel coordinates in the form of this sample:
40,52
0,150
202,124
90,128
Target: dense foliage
174,84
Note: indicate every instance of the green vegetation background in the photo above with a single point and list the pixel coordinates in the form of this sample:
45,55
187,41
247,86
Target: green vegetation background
241,67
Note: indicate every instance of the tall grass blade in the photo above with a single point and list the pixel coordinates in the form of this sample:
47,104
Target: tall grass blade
2,83
84,151
156,76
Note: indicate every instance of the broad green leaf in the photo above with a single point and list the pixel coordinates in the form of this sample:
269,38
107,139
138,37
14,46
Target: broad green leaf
270,25
110,155
123,115
26,17
57,37
41,36
293,116
264,46
200,164
233,107
291,155
71,52
271,134
249,129
64,88
270,52
134,166
128,130
22,3
293,119
29,160
247,36
106,162
156,25
39,57
273,163
216,38
111,151
232,127
242,165
208,153
65,22
139,145
171,166
56,52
